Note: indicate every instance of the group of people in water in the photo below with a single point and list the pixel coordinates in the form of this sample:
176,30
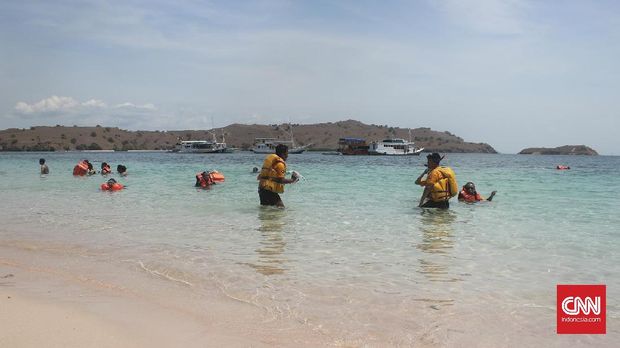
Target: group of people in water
439,182
85,168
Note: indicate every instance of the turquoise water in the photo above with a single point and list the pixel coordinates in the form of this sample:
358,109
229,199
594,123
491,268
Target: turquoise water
351,255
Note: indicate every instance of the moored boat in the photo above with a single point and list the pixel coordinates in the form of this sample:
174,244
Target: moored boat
394,147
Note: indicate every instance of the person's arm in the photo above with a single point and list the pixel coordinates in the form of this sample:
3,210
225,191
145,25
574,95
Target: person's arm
280,169
431,179
425,193
491,196
285,180
418,181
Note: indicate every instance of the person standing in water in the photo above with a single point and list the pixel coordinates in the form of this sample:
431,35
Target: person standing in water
272,177
439,185
44,168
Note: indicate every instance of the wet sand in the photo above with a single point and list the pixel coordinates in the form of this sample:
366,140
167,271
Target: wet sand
47,300
57,296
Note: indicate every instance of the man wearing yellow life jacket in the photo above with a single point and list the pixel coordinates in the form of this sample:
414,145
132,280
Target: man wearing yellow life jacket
272,177
439,186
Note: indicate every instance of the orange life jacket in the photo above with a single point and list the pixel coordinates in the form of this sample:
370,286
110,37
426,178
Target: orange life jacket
216,176
114,187
80,169
203,179
467,197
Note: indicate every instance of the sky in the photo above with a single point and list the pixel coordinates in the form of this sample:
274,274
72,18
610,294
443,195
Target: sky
512,73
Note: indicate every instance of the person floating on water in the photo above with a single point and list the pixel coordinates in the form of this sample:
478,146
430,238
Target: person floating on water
122,170
105,168
468,194
203,180
272,177
44,168
439,186
111,185
206,179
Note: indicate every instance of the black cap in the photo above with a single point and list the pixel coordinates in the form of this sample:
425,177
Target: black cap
435,157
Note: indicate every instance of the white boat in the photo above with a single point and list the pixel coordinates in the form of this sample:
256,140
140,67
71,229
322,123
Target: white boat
394,147
200,146
268,145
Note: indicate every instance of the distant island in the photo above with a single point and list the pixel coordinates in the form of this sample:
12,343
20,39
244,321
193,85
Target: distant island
560,150
322,136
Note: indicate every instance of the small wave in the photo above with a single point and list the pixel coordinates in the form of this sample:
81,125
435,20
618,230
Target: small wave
163,275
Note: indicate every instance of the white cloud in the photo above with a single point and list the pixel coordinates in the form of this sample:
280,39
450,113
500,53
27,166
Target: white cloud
68,104
69,111
95,103
53,103
129,105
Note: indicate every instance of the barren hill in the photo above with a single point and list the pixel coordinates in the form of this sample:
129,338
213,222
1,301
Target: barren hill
560,150
322,136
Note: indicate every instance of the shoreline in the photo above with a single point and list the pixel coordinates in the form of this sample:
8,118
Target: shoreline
47,302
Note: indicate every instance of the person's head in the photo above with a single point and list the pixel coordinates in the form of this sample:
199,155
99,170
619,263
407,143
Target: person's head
90,166
42,161
121,168
433,160
103,165
470,188
111,182
282,151
255,170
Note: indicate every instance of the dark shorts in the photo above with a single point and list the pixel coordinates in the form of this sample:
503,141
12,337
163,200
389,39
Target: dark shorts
269,198
440,204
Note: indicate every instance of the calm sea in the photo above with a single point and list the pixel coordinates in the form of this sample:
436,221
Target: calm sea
351,255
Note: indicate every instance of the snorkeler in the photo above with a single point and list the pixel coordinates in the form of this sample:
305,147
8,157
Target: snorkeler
272,177
468,194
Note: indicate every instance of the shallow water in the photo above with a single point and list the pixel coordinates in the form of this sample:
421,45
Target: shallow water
351,256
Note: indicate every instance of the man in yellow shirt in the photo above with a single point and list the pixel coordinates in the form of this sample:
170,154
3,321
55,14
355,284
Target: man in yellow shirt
436,185
272,177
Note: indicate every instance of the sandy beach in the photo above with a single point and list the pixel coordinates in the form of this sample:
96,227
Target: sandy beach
54,300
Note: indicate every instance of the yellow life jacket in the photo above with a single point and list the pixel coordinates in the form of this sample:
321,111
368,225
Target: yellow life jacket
268,174
446,187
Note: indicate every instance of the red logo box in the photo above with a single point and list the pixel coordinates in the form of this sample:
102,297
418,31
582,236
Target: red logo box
581,309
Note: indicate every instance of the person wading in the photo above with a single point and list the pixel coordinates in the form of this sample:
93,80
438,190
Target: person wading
439,186
272,177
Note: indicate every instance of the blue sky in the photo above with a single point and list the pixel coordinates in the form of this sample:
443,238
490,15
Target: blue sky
508,72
